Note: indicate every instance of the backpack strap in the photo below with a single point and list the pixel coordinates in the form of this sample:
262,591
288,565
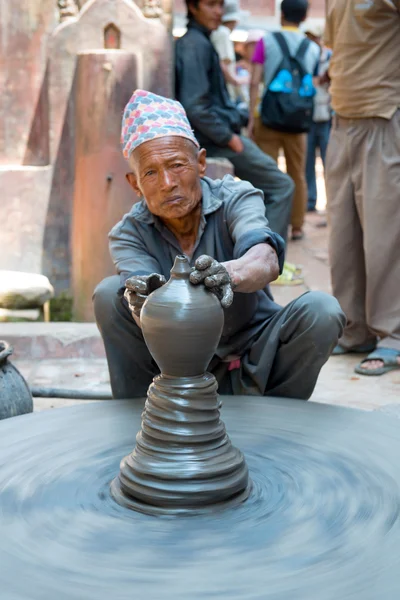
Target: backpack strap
302,49
280,38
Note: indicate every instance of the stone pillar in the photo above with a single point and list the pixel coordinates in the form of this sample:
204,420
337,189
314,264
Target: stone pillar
25,170
104,82
24,29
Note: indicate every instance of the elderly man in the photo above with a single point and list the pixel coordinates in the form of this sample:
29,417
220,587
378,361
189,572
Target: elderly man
221,227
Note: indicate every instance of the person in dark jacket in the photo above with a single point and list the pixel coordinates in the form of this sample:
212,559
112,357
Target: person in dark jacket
217,122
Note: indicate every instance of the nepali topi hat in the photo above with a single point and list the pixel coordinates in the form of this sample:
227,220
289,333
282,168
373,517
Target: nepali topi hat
148,116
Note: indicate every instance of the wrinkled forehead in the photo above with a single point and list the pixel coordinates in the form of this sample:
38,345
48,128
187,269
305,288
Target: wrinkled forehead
162,150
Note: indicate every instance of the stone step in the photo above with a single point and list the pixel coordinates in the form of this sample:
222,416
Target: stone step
37,341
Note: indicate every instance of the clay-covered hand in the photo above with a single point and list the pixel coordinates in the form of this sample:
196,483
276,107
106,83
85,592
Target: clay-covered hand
138,287
215,277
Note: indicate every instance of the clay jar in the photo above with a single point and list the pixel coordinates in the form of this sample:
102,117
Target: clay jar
182,324
15,395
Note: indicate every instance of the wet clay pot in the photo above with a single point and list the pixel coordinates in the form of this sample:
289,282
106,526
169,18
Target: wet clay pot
15,395
183,461
182,324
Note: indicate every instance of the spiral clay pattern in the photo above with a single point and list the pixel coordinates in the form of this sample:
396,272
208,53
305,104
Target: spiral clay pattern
321,521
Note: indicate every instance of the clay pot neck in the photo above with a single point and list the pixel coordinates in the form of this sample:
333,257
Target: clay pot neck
181,268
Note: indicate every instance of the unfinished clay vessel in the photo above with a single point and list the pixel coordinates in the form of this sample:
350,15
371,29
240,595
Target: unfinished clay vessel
182,324
183,461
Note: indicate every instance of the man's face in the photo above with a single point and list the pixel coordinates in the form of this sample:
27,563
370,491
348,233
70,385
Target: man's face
208,13
167,172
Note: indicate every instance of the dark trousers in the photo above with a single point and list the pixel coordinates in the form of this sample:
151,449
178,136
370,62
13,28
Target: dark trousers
284,359
261,170
318,137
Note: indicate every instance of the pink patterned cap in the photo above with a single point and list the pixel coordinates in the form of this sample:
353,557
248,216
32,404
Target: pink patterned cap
148,116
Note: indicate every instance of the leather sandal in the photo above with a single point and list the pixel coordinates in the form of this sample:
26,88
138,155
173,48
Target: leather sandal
389,358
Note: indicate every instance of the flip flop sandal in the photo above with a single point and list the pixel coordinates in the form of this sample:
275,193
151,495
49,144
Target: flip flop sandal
387,355
288,278
363,349
292,268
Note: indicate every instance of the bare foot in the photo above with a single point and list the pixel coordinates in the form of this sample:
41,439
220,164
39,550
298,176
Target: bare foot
370,365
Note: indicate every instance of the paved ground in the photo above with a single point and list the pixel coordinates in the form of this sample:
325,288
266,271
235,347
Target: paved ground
71,355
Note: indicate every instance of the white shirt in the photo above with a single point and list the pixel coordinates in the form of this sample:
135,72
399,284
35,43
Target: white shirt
221,39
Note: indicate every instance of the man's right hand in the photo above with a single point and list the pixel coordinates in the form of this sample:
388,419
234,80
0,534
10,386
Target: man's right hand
236,144
138,287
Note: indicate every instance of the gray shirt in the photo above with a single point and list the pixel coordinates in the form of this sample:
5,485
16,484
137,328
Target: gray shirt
232,221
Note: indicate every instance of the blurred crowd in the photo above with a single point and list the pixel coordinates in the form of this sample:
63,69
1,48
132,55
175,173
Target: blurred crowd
305,91
249,69
238,62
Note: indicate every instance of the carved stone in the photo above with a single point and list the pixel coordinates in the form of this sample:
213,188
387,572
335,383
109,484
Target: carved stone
152,9
68,9
112,37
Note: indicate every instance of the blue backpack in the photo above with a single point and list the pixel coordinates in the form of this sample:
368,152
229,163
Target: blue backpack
288,102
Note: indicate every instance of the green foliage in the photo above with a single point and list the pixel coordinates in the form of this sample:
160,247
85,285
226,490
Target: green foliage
61,307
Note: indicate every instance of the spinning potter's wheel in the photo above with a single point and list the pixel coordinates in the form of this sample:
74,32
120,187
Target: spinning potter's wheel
321,520
291,501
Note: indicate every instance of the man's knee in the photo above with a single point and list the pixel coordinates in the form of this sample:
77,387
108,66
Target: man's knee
322,314
105,299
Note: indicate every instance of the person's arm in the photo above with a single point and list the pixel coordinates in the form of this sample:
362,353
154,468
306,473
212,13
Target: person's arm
251,272
193,61
254,270
258,254
229,78
328,36
256,79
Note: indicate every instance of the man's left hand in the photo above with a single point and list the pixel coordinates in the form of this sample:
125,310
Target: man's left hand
215,277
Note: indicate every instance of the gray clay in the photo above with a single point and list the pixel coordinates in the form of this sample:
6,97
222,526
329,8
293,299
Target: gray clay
183,460
15,395
182,324
321,521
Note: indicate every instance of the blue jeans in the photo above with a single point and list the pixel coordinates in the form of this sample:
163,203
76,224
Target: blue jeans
318,137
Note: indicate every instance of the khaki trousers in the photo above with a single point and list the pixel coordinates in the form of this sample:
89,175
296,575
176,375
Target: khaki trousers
294,146
363,190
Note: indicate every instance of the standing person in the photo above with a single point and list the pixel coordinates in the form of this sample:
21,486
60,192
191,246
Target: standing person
363,177
217,122
285,62
221,39
318,136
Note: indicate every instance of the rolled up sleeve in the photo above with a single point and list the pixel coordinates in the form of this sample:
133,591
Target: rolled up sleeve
247,223
129,252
